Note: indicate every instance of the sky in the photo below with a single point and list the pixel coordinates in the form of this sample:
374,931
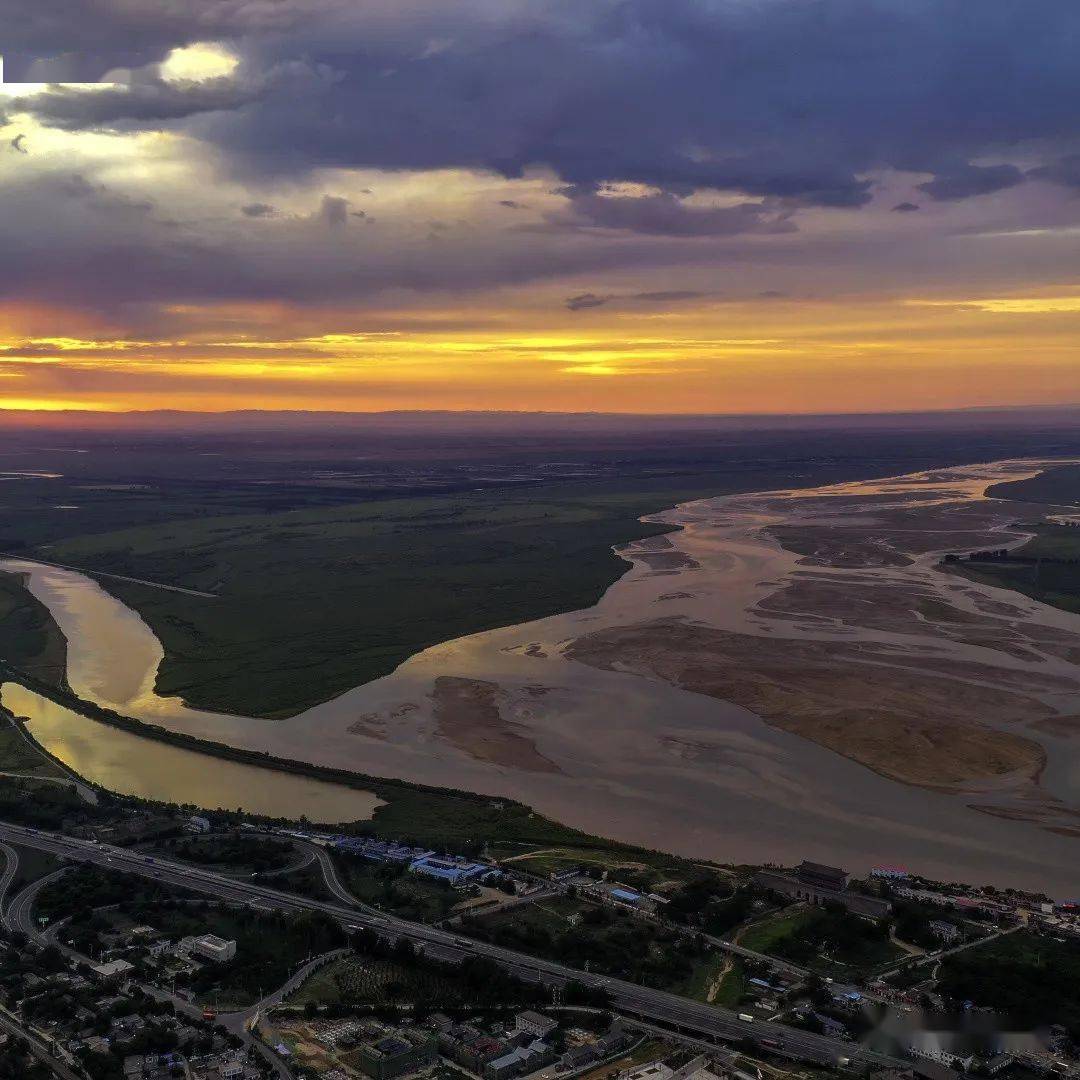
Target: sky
677,206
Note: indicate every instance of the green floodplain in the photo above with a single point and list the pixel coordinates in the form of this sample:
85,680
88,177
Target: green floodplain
337,550
1055,577
321,585
313,601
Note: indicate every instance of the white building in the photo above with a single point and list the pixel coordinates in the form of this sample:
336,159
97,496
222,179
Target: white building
941,1046
208,947
113,969
533,1023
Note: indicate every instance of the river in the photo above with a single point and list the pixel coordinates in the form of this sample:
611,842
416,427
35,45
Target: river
639,759
132,765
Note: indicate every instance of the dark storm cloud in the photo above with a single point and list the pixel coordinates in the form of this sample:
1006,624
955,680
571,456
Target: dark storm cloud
584,301
258,210
147,101
966,181
80,40
779,99
668,296
1066,171
334,211
905,208
666,214
90,246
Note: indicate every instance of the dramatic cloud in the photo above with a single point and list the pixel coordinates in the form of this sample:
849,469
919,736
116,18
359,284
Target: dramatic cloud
144,99
334,211
583,301
965,181
666,214
586,300
780,99
1066,171
624,187
668,296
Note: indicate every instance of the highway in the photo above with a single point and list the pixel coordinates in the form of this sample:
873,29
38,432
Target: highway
687,1016
11,868
19,915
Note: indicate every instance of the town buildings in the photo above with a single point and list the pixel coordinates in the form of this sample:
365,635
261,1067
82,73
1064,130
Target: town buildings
208,947
820,884
385,1054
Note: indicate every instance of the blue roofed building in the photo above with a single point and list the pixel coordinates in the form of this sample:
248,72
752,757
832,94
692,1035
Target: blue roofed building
448,868
379,851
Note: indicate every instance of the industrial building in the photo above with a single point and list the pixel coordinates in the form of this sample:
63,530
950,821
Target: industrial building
380,851
448,868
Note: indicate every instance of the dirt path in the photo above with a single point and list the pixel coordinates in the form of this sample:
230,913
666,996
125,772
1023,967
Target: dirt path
714,986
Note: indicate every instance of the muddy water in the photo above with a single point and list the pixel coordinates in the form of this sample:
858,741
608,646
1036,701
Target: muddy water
647,762
131,765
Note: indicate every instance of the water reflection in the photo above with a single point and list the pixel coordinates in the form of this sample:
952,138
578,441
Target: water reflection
132,765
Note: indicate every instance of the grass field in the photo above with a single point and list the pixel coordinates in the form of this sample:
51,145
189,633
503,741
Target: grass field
597,939
404,574
413,538
1051,583
833,943
33,864
763,936
392,888
732,988
1059,484
19,756
646,869
553,916
28,636
708,971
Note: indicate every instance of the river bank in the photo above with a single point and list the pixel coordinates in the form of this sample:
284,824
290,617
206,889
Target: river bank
637,753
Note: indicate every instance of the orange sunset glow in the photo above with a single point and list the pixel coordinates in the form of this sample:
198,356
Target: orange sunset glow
162,253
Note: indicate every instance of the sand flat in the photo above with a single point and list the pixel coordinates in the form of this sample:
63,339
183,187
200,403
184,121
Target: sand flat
838,697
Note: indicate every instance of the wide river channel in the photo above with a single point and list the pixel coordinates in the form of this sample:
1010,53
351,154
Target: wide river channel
616,754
